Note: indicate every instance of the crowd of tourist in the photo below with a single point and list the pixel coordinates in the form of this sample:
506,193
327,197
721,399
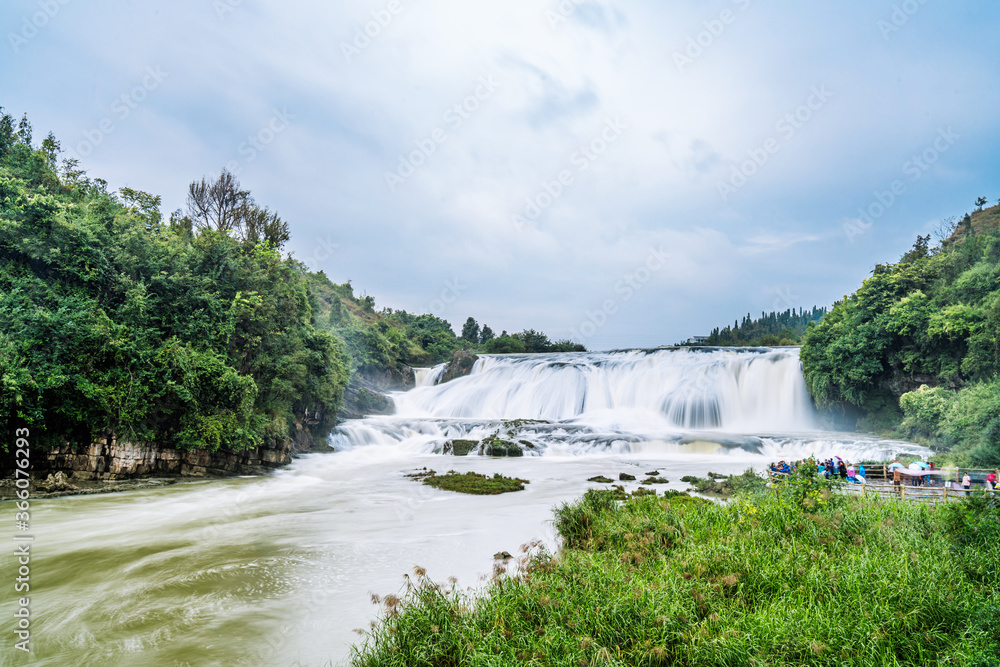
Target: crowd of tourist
830,468
836,467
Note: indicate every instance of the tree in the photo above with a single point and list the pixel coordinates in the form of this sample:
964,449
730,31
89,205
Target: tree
144,203
486,334
24,130
51,148
222,206
945,228
470,331
980,202
260,224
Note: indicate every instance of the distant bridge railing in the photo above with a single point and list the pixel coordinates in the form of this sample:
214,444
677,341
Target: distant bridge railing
938,492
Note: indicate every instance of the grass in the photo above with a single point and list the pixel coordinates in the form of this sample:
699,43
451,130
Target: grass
723,485
791,576
472,483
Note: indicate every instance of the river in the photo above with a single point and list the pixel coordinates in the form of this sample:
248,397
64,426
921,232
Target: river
279,570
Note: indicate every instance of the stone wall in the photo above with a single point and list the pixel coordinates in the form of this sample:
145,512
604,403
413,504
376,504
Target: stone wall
113,459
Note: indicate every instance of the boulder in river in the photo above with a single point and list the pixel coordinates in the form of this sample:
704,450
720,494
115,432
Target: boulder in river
57,482
498,447
458,447
625,477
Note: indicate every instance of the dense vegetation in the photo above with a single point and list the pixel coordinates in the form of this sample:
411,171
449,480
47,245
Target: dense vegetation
191,331
395,339
114,321
774,328
797,577
917,346
473,483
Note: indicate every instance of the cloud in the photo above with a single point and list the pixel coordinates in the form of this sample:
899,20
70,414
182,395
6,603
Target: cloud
361,110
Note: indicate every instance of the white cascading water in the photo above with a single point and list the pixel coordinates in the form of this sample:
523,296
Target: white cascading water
428,377
687,389
703,400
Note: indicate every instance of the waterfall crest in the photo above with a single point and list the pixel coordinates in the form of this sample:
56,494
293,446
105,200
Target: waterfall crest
663,402
730,390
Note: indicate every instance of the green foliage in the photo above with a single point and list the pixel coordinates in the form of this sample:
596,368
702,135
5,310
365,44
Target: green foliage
748,481
113,322
785,328
475,483
470,331
380,340
931,319
504,345
967,421
761,580
390,339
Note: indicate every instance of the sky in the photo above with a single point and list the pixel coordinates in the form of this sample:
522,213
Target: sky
620,173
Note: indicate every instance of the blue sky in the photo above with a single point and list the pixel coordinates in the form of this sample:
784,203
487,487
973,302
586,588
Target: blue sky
623,173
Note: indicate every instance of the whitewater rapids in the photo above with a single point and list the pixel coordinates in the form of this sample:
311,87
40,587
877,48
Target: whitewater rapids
665,401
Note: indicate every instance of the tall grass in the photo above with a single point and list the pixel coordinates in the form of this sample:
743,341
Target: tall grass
787,578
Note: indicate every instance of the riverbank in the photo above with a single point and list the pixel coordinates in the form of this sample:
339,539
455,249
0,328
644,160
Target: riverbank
798,577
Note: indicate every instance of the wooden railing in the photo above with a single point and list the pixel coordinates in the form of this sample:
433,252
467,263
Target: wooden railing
926,494
882,471
903,491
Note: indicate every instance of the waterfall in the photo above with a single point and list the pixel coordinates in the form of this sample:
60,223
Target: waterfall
428,377
651,402
729,390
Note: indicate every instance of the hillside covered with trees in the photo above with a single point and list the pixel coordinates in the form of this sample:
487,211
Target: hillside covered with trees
917,347
380,339
191,331
774,328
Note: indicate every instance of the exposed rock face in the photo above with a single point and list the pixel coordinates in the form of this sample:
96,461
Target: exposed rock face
113,459
365,394
460,365
361,401
57,482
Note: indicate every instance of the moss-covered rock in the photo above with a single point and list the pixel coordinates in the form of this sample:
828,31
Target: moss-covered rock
459,447
494,446
474,483
600,479
459,365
